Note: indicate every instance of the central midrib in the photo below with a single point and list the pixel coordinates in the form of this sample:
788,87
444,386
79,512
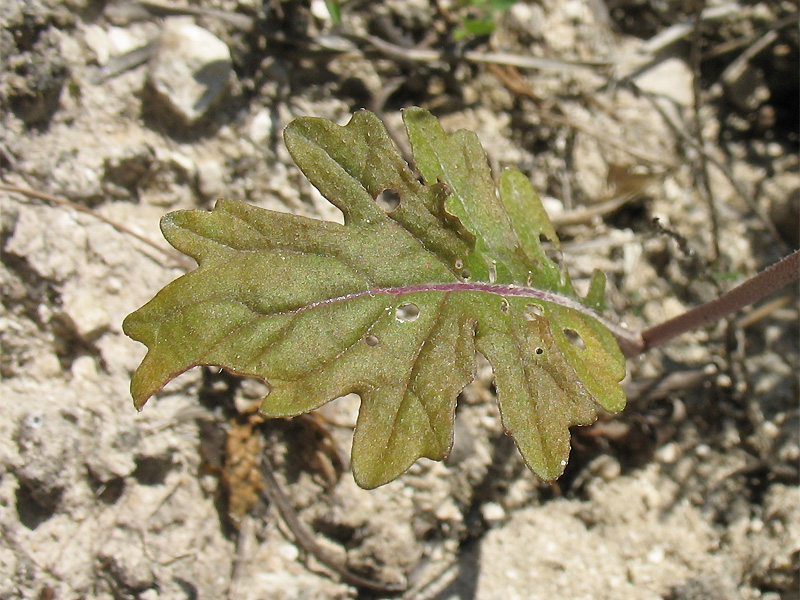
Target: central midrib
630,339
489,288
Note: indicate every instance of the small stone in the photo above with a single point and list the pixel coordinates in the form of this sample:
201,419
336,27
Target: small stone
448,511
656,555
48,251
34,78
784,211
112,457
319,8
745,87
671,79
668,453
126,167
606,467
493,513
211,179
125,561
84,368
190,70
261,127
463,443
288,552
108,43
82,315
553,206
574,10
47,447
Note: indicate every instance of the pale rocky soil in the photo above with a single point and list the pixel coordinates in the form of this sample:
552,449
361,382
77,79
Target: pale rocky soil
691,493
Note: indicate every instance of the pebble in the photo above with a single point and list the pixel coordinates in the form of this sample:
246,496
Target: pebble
47,447
261,127
668,453
745,86
82,313
125,562
493,513
190,70
672,78
319,8
289,552
111,455
211,179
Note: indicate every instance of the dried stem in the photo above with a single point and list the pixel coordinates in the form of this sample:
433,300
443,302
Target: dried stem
770,280
305,539
56,201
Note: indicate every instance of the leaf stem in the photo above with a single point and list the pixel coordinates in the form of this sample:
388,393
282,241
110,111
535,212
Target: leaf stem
770,280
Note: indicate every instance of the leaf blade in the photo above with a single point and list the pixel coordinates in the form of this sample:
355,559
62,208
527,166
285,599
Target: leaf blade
320,310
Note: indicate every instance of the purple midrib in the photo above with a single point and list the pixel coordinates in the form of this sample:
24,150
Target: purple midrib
489,288
630,341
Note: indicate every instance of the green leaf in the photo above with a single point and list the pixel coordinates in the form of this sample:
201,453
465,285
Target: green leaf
482,18
334,10
474,28
390,305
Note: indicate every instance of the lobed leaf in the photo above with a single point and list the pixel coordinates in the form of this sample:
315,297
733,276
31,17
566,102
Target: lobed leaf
391,305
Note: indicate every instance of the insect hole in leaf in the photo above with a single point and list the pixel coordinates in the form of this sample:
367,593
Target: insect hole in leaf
388,200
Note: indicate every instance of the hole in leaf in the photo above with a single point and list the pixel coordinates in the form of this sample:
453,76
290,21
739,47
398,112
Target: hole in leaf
458,264
504,305
539,350
574,338
371,340
534,311
388,200
465,274
407,312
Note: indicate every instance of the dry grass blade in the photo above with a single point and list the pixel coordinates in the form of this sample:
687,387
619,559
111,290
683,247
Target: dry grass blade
56,201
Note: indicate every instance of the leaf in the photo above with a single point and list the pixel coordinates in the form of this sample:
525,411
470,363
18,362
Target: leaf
474,28
390,305
334,10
